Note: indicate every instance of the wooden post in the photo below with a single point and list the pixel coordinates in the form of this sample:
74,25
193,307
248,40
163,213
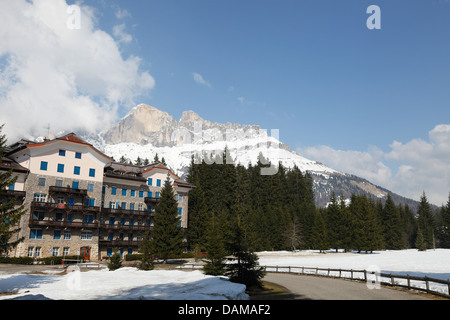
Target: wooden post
392,279
409,282
427,284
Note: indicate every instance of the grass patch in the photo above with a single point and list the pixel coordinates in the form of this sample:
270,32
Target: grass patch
269,291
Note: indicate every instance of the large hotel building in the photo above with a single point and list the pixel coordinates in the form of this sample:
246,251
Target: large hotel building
79,201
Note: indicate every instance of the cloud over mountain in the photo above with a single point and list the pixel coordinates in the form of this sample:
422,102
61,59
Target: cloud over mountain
70,78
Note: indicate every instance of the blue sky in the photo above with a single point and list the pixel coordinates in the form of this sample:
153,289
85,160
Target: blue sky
369,102
309,68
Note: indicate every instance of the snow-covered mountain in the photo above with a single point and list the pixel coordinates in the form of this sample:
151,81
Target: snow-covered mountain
147,131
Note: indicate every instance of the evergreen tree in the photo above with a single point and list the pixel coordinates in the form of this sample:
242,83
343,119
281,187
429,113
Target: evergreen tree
420,241
138,161
391,225
10,211
444,226
245,267
156,158
333,222
115,262
425,221
145,248
146,162
123,160
163,161
167,236
216,253
319,233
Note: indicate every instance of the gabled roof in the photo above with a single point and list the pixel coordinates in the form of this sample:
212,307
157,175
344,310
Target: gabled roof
71,137
8,164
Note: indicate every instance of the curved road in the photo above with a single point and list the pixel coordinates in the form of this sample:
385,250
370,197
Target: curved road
321,288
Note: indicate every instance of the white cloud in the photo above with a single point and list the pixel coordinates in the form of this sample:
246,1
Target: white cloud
68,78
121,35
198,78
122,13
423,166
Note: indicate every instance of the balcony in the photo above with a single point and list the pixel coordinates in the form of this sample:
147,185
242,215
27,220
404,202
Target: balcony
50,206
13,194
120,211
123,243
124,227
151,201
62,224
68,190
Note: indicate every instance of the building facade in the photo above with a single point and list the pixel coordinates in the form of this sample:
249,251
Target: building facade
79,201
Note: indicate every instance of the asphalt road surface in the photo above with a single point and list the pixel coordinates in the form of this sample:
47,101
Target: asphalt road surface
321,288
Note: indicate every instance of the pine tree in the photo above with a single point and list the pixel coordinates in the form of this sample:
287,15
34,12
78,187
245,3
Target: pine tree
420,241
156,158
425,221
391,225
319,233
215,248
167,236
115,262
138,161
444,225
145,248
245,267
146,162
10,211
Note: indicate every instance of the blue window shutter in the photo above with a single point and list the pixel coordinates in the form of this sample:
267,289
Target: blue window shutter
32,233
60,168
75,184
113,191
62,153
109,251
39,234
76,170
57,234
150,181
141,194
11,187
91,172
44,165
78,155
92,202
124,192
158,183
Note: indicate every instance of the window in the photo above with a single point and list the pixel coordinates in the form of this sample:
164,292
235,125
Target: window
30,251
150,181
11,187
180,211
132,206
124,192
141,193
44,165
113,191
41,182
62,153
113,205
38,215
67,234
123,205
133,193
55,251
140,207
91,172
112,220
109,252
36,234
90,187
89,218
86,235
158,183
59,183
76,170
66,251
111,236
60,168
57,234
40,197
75,184
156,194
149,194
37,252
77,155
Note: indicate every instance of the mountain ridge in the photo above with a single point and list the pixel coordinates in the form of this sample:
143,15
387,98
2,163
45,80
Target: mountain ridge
146,131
